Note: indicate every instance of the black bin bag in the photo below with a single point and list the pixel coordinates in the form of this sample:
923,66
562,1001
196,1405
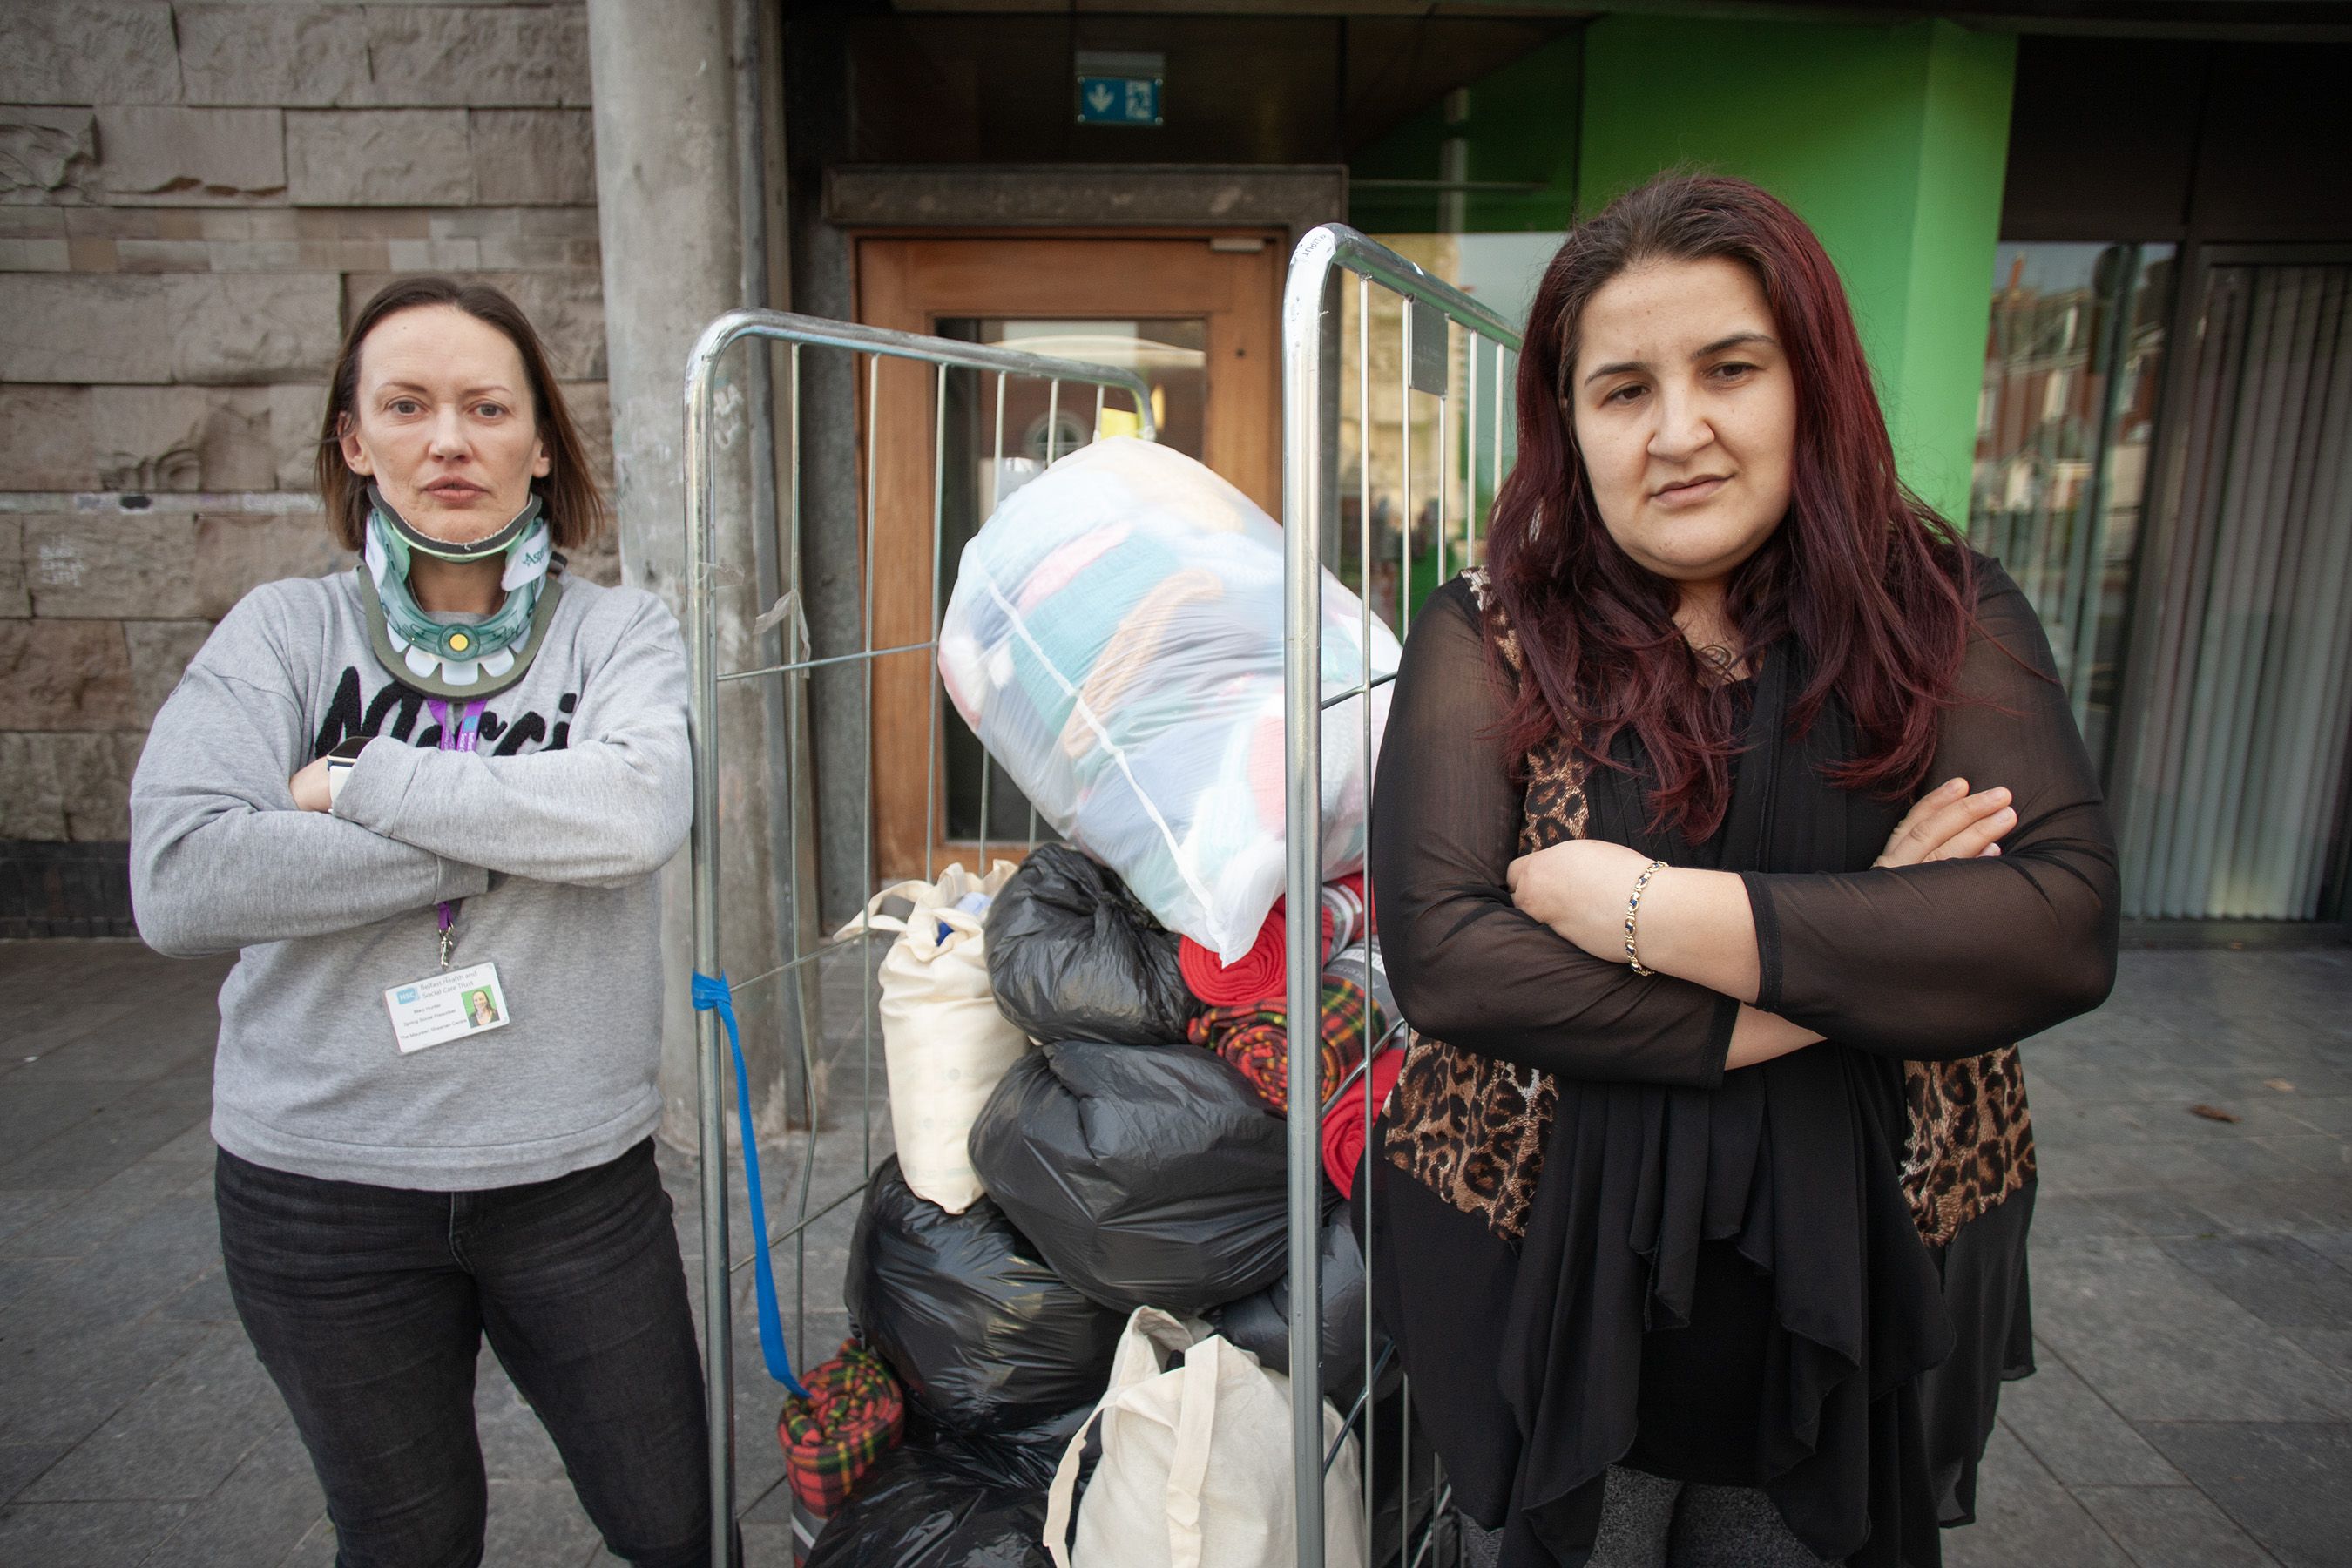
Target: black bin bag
1147,1175
981,1334
1072,955
1260,1324
950,1506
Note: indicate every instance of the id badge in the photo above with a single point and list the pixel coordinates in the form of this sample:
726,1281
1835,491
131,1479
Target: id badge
450,1005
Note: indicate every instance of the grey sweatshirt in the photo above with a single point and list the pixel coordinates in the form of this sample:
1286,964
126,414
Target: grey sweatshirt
551,833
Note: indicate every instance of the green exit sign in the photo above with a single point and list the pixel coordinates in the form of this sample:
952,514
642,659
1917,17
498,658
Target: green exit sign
1118,89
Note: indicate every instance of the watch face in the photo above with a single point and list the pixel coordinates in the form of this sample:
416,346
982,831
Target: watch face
348,748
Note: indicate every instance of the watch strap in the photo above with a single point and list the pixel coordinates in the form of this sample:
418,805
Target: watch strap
340,758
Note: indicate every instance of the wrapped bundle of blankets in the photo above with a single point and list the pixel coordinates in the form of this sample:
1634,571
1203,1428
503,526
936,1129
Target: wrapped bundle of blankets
1115,641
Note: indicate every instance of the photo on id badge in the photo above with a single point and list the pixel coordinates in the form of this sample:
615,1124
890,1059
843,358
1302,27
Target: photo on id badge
450,1006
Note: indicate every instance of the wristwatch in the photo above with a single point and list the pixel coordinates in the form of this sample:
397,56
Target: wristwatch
340,759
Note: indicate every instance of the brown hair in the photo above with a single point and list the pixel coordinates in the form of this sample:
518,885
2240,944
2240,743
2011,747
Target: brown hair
572,499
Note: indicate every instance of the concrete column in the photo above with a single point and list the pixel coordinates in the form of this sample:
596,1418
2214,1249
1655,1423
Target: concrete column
670,218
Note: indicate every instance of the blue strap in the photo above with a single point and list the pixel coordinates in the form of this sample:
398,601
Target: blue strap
713,996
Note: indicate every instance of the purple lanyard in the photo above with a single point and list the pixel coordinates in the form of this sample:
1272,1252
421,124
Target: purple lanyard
459,736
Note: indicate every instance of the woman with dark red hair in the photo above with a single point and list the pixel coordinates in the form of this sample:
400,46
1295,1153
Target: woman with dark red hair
1705,1186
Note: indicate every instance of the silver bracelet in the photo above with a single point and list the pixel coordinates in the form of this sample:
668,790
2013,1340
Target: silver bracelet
1634,911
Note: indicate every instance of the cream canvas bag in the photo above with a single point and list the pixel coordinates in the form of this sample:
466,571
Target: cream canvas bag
943,1040
1196,1462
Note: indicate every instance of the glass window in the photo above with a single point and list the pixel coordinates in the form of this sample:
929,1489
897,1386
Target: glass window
2233,801
1414,478
2072,362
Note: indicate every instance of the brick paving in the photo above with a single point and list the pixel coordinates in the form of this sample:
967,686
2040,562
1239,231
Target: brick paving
2192,1286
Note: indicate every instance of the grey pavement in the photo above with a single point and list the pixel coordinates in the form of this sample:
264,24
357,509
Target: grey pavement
136,1426
2192,1288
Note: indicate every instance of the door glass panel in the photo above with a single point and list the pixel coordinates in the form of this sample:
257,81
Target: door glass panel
2072,366
986,460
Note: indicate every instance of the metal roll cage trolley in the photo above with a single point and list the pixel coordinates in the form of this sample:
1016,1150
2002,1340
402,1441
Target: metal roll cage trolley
1315,354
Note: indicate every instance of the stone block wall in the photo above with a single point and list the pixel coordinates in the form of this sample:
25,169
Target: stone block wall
194,198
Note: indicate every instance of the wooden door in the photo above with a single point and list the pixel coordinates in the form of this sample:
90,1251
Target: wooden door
1197,315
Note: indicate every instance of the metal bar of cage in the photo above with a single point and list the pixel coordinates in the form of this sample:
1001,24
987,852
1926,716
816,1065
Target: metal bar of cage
701,631
1312,341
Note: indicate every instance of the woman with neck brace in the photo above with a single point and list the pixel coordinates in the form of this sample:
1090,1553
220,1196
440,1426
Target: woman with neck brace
426,799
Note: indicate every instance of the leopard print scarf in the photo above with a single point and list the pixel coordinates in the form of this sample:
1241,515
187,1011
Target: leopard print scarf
1473,1130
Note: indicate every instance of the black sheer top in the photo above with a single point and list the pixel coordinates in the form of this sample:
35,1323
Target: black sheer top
1925,962
1709,1274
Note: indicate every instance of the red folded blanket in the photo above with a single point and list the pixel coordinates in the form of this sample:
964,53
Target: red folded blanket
1343,1124
1258,974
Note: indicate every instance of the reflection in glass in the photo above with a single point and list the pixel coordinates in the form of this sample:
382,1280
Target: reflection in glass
1480,437
1036,426
2071,367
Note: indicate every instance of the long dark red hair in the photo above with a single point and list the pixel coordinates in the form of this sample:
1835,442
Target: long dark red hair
1874,585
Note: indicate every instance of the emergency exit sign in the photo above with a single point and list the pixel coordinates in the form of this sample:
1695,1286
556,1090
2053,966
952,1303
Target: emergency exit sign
1119,89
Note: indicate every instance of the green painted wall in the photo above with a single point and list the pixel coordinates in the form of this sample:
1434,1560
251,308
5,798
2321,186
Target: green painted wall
1521,130
1891,142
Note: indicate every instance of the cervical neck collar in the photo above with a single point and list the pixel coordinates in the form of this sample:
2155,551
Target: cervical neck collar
456,658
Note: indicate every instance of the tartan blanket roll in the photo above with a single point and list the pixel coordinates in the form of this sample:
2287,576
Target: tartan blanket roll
1256,1038
852,1416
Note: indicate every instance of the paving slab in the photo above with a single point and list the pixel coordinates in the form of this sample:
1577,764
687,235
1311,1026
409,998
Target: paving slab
91,1219
204,1300
2335,1243
21,1277
2277,1278
180,1437
2331,1347
2160,1211
2075,1435
2278,1208
2287,1157
258,1514
536,1524
2162,1344
22,1463
2331,1114
2171,1527
767,1542
107,1140
515,1445
2122,1168
24,1206
2065,1216
38,1032
143,1264
147,1036
315,1549
2025,1516
62,1384
32,1113
84,1535
2284,1484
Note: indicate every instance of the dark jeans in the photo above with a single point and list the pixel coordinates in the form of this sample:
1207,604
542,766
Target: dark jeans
368,1305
